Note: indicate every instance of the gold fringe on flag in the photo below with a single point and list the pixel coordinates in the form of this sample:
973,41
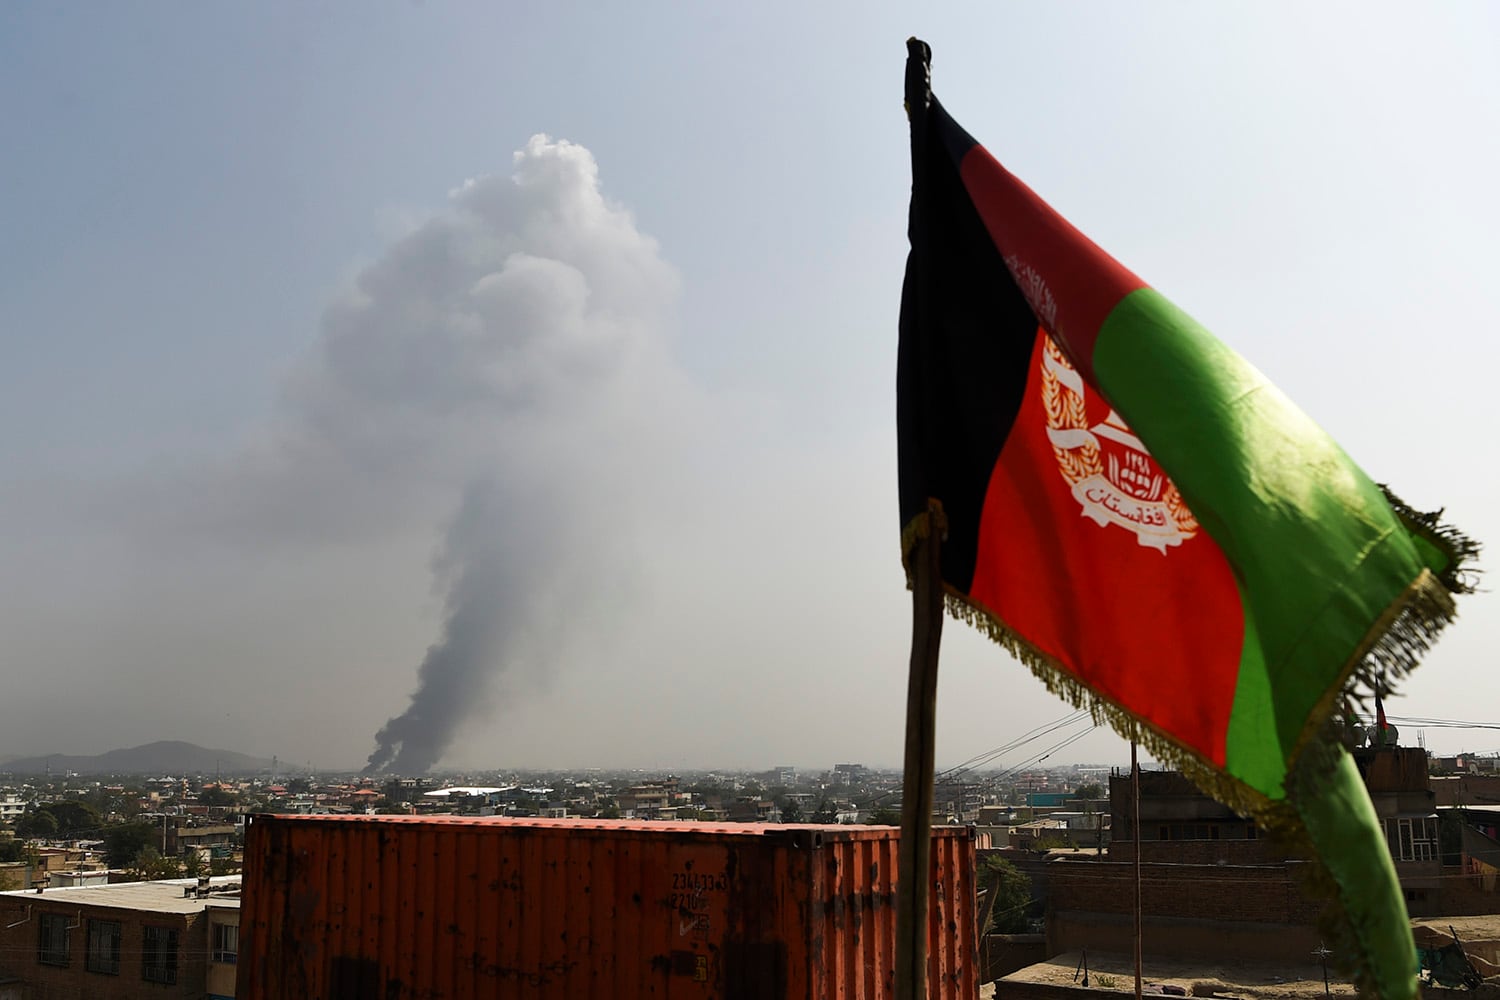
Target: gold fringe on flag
1391,649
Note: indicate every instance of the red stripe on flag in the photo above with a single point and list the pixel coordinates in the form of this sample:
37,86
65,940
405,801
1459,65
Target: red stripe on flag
1156,628
1071,284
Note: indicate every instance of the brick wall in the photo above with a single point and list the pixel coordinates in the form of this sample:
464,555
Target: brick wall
1196,852
19,953
1461,896
1013,990
1257,912
1202,939
1257,894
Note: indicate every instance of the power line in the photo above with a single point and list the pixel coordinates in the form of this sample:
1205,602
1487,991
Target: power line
1407,720
1046,753
980,760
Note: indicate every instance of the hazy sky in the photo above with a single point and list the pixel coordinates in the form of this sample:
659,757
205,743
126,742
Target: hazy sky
552,354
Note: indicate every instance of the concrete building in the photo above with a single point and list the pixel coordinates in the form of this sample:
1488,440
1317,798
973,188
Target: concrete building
1214,887
223,917
208,842
648,800
960,799
1179,824
1402,794
175,938
1038,834
849,774
752,810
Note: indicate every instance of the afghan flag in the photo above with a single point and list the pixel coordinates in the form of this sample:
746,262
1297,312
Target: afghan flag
1136,513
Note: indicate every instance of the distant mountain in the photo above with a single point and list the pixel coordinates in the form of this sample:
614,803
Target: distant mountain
163,757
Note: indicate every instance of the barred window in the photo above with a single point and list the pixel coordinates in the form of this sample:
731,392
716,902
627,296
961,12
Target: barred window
104,947
52,948
159,955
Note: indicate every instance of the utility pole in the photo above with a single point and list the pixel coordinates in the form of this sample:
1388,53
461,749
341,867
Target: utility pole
1322,955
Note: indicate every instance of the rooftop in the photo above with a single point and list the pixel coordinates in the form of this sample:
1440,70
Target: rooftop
165,896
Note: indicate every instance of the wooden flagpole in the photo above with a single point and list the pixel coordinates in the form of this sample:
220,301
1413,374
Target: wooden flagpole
915,854
1135,833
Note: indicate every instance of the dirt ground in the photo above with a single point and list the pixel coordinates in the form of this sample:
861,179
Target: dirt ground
1479,935
1116,974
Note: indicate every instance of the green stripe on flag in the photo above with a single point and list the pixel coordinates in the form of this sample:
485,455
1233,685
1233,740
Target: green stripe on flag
1249,755
1319,554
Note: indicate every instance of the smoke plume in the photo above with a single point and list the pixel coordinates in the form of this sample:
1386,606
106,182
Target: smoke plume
507,355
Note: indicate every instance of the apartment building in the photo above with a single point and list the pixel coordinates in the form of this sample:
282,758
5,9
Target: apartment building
177,938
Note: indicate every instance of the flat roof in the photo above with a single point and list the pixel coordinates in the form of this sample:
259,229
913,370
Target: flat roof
466,790
165,896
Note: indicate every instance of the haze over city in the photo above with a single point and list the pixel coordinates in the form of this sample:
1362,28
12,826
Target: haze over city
443,385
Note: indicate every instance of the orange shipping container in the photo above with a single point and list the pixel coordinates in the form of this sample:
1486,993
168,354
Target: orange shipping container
448,907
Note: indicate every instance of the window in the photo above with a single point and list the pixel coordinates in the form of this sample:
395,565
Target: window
226,943
52,948
1426,838
159,955
104,947
1412,838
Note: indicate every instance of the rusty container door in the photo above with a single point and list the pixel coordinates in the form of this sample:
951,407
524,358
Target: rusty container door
456,908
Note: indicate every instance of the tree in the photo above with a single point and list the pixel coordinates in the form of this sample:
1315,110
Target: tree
1013,894
74,818
826,812
791,811
124,843
151,866
39,824
884,816
1089,790
219,796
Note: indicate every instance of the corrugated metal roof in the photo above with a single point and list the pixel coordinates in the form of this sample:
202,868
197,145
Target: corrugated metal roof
532,824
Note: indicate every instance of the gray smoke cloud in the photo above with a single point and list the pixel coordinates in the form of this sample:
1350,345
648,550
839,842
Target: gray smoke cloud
507,358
